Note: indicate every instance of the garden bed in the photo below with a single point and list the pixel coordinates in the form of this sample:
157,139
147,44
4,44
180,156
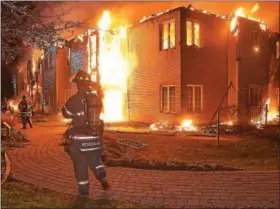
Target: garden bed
192,153
169,165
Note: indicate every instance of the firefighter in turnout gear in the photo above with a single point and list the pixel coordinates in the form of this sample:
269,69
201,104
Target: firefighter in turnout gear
84,135
25,112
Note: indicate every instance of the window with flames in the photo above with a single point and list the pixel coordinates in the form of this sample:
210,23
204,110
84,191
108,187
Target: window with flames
193,33
194,98
168,99
167,35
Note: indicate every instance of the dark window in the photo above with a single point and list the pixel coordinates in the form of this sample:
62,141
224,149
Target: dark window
168,99
254,95
194,98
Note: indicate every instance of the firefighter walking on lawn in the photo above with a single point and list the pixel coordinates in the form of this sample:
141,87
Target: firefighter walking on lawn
84,135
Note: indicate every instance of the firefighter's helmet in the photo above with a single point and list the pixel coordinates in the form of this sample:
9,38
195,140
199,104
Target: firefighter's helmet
82,77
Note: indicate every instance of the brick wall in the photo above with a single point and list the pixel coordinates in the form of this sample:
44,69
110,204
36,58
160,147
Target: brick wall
154,68
206,65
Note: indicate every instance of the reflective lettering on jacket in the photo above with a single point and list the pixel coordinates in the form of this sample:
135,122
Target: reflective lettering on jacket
86,142
82,137
89,144
100,166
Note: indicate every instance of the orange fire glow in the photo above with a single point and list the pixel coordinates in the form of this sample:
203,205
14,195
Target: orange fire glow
188,125
113,68
229,123
254,8
272,114
13,106
240,13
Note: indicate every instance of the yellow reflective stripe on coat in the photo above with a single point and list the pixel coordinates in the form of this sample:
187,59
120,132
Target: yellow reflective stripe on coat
67,111
100,166
84,137
90,149
82,182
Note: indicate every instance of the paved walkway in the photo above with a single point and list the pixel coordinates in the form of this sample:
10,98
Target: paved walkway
43,163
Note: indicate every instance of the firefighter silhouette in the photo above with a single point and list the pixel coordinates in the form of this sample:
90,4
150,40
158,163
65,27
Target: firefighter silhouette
25,112
84,135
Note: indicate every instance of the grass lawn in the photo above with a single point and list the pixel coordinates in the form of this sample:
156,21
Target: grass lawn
15,194
246,153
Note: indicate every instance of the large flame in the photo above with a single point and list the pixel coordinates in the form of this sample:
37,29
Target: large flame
187,125
105,22
255,8
272,114
112,66
240,13
268,114
13,106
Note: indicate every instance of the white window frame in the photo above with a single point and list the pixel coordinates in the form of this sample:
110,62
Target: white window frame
193,35
254,86
161,34
193,97
168,98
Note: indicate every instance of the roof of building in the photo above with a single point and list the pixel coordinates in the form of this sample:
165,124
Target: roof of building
155,15
190,7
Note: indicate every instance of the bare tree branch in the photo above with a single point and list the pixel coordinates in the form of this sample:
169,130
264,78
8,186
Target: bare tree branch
22,23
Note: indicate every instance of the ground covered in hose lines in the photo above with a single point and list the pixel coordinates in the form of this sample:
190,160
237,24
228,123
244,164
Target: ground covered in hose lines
192,153
16,194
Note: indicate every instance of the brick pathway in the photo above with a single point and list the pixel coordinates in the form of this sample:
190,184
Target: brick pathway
43,163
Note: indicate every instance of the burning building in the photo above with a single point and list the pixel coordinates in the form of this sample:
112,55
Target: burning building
181,63
189,58
55,78
28,78
102,52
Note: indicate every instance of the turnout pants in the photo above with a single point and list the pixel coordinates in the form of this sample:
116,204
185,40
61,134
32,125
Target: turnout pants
26,119
81,162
